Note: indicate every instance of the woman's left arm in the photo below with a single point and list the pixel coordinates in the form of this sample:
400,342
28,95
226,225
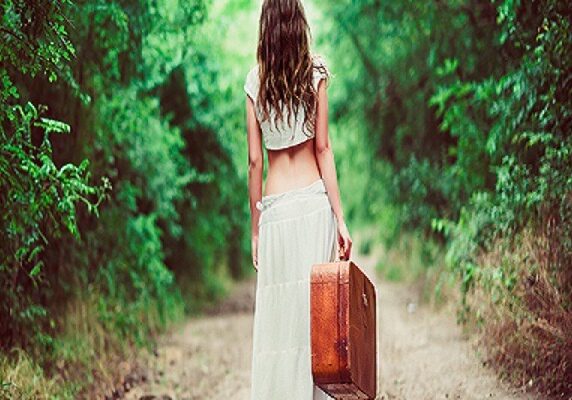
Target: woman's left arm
255,169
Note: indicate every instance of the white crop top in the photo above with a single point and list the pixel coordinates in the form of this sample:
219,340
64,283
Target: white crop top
282,135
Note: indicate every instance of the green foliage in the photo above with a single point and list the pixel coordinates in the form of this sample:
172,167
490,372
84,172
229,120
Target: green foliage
38,199
140,93
407,60
528,140
468,105
34,41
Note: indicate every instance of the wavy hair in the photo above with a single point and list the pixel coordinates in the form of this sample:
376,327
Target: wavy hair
285,64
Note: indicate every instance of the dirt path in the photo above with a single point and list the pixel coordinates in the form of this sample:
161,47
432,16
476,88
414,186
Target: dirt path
422,354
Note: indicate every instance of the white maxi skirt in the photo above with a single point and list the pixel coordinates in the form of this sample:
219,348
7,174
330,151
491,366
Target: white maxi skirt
297,229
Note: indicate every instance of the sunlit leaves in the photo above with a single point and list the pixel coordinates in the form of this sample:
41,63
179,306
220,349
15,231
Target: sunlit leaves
38,203
38,199
34,40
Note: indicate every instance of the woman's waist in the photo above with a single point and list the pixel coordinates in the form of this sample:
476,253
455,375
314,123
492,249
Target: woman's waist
295,204
315,188
287,176
283,182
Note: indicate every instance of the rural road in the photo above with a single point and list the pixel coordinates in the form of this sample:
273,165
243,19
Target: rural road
422,352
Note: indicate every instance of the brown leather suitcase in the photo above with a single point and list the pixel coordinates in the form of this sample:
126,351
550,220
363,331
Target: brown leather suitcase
343,331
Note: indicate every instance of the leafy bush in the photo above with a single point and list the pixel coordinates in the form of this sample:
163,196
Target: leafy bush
468,103
123,75
530,147
38,199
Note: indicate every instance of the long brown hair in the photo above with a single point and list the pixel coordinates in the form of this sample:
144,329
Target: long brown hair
285,64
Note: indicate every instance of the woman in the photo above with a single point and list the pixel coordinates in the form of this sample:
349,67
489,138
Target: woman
296,222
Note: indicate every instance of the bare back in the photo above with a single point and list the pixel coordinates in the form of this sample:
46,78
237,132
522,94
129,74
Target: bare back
291,168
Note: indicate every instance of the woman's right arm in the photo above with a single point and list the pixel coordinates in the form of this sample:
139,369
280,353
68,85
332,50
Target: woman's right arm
326,163
255,167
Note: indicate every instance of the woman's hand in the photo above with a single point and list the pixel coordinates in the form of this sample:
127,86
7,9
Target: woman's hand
255,252
344,241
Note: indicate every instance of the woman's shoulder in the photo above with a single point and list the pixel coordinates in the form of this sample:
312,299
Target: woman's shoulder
251,82
319,59
252,72
321,69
